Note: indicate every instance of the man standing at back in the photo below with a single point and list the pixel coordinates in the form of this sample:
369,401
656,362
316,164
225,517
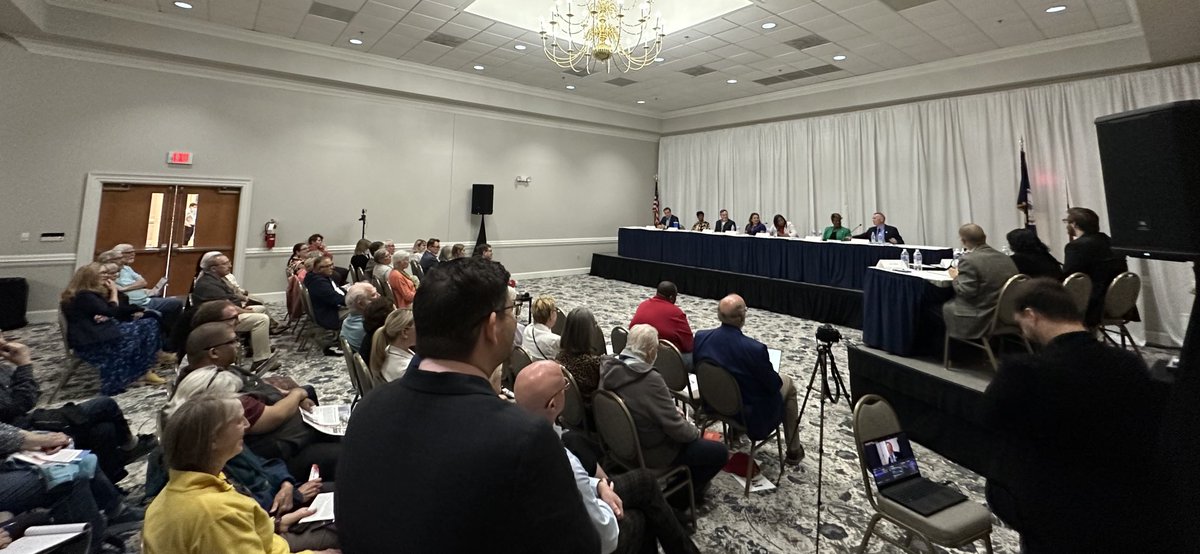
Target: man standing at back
980,275
436,462
661,313
767,397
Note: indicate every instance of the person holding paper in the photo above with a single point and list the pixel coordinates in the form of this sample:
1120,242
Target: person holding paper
200,512
769,397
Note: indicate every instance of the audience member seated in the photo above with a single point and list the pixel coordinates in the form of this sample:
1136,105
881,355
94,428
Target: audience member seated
635,520
119,342
781,227
483,251
659,311
768,398
222,311
724,224
539,341
1090,252
96,424
668,220
392,346
136,288
199,511
835,231
362,254
73,494
372,249
1077,471
487,470
576,354
981,273
395,275
296,262
212,285
667,438
418,250
700,224
446,254
459,250
755,226
357,298
880,231
1031,256
273,409
328,299
429,257
374,317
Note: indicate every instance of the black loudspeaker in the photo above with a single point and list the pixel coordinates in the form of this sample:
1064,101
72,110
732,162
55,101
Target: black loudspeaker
481,199
1151,162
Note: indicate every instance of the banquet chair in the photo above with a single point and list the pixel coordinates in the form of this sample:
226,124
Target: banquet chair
1002,324
722,402
1119,302
1079,286
620,336
669,364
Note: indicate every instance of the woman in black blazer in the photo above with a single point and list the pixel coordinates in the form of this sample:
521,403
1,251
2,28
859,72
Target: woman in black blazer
1032,256
116,339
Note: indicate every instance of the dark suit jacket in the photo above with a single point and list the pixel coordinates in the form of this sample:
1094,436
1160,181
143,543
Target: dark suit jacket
1092,254
889,233
435,462
210,287
428,260
722,226
672,221
748,361
325,300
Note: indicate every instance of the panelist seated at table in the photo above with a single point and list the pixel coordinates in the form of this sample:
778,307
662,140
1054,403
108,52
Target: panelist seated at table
981,273
835,231
668,220
781,227
756,225
725,224
700,224
881,231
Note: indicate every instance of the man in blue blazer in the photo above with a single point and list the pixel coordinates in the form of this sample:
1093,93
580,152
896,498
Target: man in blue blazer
768,397
668,220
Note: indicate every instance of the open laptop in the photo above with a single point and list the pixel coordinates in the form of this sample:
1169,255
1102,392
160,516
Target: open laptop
891,462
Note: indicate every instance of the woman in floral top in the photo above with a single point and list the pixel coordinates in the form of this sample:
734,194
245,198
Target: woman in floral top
700,224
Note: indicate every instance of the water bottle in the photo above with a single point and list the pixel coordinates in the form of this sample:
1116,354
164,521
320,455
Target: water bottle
904,257
917,260
958,254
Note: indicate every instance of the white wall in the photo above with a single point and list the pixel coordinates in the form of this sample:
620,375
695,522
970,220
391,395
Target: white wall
316,159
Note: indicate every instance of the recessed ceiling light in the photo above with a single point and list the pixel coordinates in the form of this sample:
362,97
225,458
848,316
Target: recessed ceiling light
1056,9
731,81
520,47
570,87
839,58
356,41
641,101
479,68
183,5
660,59
768,25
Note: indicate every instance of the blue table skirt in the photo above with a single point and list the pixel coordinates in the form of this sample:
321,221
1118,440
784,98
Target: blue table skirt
834,264
900,313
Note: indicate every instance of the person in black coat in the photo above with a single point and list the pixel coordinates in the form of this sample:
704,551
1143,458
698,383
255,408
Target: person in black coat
880,230
1090,252
668,220
436,462
1032,256
724,224
328,299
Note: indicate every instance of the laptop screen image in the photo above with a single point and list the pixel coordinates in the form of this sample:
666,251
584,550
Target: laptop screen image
890,459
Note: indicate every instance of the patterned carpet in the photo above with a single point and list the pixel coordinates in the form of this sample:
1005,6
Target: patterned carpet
775,521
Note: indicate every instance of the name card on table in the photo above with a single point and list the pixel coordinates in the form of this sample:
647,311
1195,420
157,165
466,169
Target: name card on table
891,265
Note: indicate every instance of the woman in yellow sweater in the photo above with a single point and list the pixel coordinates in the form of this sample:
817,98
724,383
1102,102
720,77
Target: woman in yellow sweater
199,512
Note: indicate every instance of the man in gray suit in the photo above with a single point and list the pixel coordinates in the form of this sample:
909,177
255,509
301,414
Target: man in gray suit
980,275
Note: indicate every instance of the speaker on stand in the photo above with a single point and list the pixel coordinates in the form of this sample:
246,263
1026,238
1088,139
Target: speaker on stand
481,204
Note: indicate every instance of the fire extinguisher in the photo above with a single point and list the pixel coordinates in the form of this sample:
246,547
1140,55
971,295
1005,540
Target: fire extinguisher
269,233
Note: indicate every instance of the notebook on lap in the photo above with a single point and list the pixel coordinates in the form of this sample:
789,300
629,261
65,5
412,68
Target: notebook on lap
891,462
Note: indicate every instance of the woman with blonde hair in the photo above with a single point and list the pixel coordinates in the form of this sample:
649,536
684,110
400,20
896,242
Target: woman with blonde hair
115,339
391,346
539,340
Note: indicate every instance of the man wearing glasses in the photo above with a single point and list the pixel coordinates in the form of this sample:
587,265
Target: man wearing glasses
437,459
211,285
328,299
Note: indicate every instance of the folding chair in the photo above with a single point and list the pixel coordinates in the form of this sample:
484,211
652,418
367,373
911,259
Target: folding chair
722,401
620,336
669,364
574,414
1002,324
1079,286
73,361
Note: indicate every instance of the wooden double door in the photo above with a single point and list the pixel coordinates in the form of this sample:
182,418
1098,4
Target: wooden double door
170,226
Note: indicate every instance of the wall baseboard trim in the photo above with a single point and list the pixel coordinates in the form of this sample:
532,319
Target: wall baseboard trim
37,260
284,251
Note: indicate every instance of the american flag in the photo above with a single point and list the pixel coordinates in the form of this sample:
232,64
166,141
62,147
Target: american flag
654,203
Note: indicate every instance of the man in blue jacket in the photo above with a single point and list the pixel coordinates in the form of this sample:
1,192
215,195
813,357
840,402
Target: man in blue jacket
768,397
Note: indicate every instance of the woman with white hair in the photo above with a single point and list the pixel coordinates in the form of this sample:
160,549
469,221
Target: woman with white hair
667,438
358,296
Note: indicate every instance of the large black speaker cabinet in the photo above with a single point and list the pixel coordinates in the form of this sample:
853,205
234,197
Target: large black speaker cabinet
1151,162
481,199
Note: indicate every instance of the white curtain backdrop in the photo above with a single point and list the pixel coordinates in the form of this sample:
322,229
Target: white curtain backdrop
933,165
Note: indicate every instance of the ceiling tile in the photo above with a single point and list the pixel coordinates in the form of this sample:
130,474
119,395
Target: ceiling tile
737,34
319,29
423,21
435,10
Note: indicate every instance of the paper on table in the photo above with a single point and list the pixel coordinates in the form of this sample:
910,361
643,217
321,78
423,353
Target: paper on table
322,506
776,356
330,419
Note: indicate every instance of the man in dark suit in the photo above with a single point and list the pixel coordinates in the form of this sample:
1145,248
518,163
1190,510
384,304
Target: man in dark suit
668,220
881,231
436,462
768,397
1090,253
725,224
328,299
980,275
430,257
1054,413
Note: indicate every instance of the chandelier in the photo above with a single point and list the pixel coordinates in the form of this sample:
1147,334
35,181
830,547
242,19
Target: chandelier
602,31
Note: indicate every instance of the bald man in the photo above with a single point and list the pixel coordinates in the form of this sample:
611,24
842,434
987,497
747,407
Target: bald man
629,522
981,273
769,398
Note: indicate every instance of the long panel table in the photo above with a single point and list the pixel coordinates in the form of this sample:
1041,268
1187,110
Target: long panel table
806,260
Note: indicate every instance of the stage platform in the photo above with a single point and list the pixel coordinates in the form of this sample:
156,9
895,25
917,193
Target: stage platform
804,300
940,409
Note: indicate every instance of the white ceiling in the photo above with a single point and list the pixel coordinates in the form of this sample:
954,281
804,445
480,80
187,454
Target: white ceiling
871,33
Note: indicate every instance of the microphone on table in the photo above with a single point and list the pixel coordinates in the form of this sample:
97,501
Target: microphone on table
856,228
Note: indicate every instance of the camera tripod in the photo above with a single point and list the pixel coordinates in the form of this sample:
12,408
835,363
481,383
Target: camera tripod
826,366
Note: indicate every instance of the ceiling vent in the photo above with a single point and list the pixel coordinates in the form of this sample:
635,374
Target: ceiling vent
331,12
822,69
621,82
807,42
698,70
445,40
904,4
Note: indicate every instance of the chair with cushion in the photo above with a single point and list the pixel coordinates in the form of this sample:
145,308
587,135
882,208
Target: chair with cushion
560,322
722,401
669,364
1119,302
574,414
363,376
348,355
1079,286
1002,324
516,362
73,361
618,435
385,290
312,332
960,524
597,341
620,336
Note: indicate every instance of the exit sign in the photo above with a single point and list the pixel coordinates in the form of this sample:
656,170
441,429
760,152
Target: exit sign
179,158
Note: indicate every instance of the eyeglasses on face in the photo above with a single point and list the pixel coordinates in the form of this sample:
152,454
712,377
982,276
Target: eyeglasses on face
234,341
